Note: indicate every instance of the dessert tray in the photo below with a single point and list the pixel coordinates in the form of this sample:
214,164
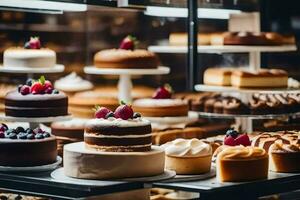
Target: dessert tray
125,83
56,69
41,168
59,175
211,88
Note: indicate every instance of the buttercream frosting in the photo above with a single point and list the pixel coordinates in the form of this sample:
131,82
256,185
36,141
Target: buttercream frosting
73,82
159,102
187,148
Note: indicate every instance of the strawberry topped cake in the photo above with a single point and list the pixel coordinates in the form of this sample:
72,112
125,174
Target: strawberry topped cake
32,55
126,56
37,98
116,145
161,104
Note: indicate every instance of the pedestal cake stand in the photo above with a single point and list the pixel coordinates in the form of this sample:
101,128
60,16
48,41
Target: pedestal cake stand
125,83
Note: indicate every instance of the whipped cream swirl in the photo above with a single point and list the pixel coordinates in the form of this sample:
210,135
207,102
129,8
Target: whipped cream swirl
241,152
73,83
187,148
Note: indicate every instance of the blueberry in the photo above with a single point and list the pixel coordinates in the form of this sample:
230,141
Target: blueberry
110,114
19,129
55,91
46,135
27,45
9,131
12,136
30,136
29,82
19,88
39,136
232,133
29,130
136,115
22,135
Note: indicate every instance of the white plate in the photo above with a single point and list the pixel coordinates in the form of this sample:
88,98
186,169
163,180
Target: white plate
40,168
114,71
3,117
184,178
56,69
59,175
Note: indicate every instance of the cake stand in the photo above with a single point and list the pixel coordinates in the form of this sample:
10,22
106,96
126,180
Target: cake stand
34,121
125,83
30,71
245,120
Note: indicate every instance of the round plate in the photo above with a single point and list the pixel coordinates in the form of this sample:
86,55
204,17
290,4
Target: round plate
3,117
59,175
56,69
40,168
172,120
115,71
184,178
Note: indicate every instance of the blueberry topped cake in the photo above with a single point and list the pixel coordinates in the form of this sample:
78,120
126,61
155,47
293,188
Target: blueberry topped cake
37,98
21,147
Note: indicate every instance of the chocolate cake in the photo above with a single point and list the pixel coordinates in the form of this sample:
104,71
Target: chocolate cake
23,148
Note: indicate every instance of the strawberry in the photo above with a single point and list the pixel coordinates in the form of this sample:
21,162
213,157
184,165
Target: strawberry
124,111
243,139
164,92
34,43
25,89
101,112
230,141
128,43
37,88
3,127
48,86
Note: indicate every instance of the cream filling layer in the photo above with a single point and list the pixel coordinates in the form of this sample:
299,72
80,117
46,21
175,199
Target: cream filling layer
117,136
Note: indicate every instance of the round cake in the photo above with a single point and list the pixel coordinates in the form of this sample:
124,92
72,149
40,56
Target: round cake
116,145
126,57
23,148
31,56
245,38
36,99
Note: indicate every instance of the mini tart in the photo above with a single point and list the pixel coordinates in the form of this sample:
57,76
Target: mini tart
188,156
161,107
125,59
232,162
118,135
35,105
25,153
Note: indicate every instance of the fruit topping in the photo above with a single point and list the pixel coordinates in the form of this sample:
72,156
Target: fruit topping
233,138
39,136
46,135
37,130
19,129
3,127
40,86
2,135
110,114
128,43
30,136
101,112
33,43
163,92
21,133
136,115
124,111
12,136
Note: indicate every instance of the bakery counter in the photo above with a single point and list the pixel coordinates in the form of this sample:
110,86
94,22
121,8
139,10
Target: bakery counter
42,184
211,189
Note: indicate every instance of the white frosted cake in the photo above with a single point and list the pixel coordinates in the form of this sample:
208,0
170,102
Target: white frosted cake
31,56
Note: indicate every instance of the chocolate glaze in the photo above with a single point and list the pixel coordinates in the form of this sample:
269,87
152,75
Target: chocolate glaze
118,131
117,141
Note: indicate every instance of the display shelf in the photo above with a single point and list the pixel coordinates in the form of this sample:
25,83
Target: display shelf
26,70
211,189
249,116
125,83
222,49
41,184
228,89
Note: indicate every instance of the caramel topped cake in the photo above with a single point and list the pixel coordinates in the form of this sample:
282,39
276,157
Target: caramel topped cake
122,131
126,57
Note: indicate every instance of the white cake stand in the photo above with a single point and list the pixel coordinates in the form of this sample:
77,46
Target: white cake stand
30,71
125,83
34,121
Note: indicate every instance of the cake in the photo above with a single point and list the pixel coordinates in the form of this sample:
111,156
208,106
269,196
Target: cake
26,147
218,76
239,163
188,156
283,149
161,104
264,78
245,38
181,39
37,98
116,145
73,83
126,57
31,56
